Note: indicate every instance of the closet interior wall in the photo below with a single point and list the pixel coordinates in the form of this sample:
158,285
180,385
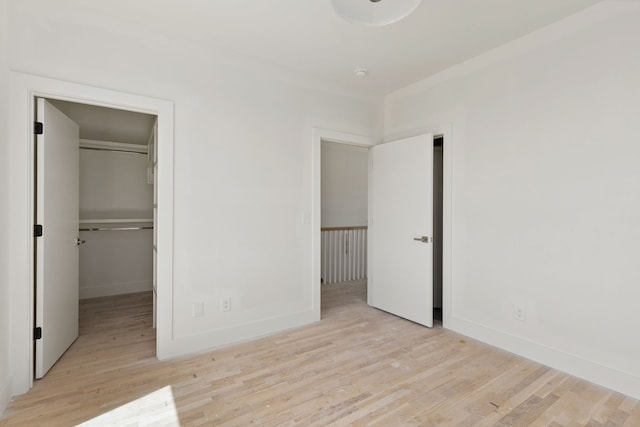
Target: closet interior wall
116,223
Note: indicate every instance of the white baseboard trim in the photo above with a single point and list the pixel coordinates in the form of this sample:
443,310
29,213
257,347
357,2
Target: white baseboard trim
5,395
114,289
212,340
575,365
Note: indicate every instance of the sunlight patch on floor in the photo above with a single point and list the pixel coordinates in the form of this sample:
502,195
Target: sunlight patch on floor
157,408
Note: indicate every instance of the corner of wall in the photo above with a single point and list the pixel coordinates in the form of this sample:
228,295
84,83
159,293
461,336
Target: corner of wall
452,94
570,363
541,37
5,394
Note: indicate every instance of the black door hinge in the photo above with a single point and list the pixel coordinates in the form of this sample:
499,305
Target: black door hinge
38,128
37,333
37,230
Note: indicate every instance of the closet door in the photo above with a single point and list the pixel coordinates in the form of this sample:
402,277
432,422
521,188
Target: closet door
57,201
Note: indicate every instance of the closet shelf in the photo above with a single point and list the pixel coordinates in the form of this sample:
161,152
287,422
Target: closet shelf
115,221
120,224
126,228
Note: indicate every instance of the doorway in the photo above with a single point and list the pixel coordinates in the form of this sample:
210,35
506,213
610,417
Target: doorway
104,157
344,185
438,192
24,89
344,199
339,141
443,248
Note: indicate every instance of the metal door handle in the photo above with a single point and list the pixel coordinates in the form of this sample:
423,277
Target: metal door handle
79,242
423,239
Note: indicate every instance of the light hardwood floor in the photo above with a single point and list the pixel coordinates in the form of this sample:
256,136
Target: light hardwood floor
358,366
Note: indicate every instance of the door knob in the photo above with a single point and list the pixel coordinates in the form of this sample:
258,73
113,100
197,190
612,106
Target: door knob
423,239
79,242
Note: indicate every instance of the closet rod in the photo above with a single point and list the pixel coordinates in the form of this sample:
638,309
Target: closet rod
116,228
113,149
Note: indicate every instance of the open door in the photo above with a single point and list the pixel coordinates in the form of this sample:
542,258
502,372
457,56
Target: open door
401,228
57,206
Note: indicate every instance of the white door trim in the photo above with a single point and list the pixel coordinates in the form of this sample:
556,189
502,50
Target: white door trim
23,90
319,135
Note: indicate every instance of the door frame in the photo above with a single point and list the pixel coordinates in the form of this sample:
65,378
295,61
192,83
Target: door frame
24,89
444,129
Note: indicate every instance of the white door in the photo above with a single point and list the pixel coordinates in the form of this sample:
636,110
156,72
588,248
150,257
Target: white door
401,228
57,195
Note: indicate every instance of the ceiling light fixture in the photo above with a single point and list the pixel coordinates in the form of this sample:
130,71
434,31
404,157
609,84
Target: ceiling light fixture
374,12
361,73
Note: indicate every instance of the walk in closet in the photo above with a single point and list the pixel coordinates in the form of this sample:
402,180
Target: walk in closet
117,199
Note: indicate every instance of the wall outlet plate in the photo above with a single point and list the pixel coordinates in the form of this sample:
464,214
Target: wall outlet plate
225,304
198,309
518,312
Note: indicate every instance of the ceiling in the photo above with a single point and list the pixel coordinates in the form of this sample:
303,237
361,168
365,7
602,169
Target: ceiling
108,124
306,36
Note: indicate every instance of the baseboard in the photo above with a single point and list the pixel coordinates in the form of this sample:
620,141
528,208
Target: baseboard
575,365
5,395
212,340
114,289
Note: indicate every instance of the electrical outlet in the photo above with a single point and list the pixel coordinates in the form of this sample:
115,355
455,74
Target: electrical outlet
518,312
198,309
225,304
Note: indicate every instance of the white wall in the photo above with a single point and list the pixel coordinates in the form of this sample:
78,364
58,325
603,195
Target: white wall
242,160
116,262
5,386
344,184
546,191
113,185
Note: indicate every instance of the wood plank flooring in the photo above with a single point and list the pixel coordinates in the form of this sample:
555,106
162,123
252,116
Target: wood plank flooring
358,366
